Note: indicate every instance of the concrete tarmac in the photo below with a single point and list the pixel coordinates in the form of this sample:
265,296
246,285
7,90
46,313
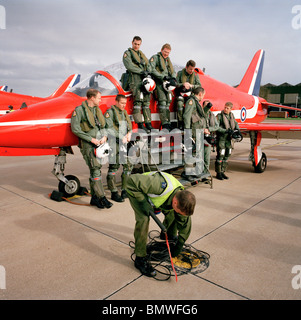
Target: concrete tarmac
250,225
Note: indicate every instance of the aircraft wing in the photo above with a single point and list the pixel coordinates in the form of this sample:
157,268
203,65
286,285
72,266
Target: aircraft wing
274,130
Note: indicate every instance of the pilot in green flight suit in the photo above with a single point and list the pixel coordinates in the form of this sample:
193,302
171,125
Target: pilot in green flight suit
187,81
119,128
227,124
88,124
162,69
195,118
138,67
159,190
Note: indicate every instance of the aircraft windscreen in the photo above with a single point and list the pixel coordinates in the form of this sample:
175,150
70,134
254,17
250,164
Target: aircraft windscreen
96,81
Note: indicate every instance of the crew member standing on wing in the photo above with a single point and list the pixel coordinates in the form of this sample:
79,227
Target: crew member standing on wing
88,124
138,68
160,190
187,81
119,128
164,75
227,124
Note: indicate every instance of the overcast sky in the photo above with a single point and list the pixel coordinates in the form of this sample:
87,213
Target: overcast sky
45,41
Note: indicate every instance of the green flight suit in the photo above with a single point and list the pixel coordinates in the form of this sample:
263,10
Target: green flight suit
161,68
182,77
135,62
195,118
224,143
138,188
88,123
118,124
213,127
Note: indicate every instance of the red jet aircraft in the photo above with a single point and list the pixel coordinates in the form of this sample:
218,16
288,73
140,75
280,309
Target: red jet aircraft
46,130
17,100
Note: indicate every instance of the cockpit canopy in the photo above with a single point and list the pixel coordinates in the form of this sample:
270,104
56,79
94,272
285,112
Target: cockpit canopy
96,81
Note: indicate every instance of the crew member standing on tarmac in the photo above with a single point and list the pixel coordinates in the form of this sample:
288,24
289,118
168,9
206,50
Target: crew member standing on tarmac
187,81
119,129
227,124
159,190
164,75
195,118
209,140
88,124
138,68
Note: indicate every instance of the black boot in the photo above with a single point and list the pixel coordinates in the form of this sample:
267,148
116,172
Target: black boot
124,194
181,125
148,126
224,176
106,203
219,176
142,127
145,267
218,170
96,202
224,168
116,197
167,126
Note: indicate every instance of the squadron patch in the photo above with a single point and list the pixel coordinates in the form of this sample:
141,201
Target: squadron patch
125,55
163,185
74,113
152,59
107,115
190,102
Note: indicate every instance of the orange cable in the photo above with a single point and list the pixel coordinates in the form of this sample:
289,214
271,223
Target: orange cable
173,268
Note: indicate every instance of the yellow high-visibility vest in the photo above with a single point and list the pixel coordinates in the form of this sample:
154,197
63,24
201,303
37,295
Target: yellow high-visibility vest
171,184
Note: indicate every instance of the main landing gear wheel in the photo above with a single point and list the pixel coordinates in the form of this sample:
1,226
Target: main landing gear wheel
70,189
262,164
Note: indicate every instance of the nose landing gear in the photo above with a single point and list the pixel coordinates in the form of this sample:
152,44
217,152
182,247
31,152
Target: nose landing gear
68,185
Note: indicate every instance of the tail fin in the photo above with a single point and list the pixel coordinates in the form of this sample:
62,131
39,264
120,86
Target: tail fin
252,78
68,83
3,88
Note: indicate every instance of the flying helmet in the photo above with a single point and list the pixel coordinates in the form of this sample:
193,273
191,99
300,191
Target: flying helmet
185,92
210,139
237,136
169,84
149,84
102,150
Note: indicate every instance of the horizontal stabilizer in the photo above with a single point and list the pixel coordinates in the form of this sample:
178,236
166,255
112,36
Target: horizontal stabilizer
266,104
274,130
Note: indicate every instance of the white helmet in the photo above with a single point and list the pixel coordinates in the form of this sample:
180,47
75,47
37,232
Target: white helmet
185,93
168,86
149,84
102,150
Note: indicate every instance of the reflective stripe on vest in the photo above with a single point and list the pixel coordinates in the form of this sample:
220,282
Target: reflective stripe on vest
172,183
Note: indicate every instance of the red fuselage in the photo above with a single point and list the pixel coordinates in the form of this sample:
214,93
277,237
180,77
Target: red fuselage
47,124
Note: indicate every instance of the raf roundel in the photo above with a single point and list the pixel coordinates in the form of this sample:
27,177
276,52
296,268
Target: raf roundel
243,114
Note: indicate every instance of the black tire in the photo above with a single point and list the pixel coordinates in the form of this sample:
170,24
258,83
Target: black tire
262,164
70,191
